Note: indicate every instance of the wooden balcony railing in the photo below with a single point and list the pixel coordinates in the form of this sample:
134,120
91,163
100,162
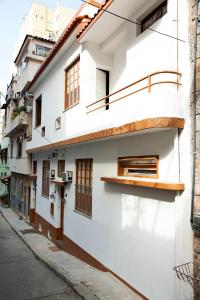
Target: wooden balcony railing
148,83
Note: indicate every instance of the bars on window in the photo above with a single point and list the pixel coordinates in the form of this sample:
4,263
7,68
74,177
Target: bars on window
83,202
138,166
72,84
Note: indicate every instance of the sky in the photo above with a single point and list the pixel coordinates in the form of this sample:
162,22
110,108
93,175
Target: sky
11,14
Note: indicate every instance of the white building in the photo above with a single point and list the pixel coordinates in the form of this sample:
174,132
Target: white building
125,202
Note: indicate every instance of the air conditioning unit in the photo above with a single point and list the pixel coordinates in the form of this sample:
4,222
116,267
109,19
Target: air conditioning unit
52,174
67,176
29,109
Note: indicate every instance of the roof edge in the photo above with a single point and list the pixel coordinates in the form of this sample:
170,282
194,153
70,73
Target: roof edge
58,45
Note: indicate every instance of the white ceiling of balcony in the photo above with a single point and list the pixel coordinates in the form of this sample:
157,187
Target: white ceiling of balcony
99,32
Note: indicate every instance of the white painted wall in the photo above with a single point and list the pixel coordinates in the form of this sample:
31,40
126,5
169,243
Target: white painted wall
133,58
140,234
19,165
133,229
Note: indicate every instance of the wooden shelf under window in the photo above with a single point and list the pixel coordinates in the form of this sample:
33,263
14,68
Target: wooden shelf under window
145,183
33,175
57,181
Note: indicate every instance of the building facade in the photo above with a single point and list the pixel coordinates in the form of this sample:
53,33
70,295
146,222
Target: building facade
112,154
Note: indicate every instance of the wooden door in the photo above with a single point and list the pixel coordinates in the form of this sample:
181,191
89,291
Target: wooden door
62,198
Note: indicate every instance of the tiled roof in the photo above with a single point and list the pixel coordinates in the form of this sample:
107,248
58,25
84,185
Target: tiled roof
67,32
34,37
104,5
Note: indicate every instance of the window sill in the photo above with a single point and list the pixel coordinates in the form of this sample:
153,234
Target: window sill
145,183
82,213
57,181
66,109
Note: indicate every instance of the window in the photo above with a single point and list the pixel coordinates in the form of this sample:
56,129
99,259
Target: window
35,167
83,202
11,149
19,147
72,86
45,177
58,123
102,85
38,111
43,131
155,15
61,167
42,50
138,166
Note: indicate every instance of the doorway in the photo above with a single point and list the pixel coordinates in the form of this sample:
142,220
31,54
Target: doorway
62,206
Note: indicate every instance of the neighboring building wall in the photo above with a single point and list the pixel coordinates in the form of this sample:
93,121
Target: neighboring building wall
195,112
19,194
45,22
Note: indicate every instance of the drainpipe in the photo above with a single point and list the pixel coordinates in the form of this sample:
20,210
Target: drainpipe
194,112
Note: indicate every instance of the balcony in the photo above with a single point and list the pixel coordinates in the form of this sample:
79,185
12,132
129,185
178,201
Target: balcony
17,125
145,83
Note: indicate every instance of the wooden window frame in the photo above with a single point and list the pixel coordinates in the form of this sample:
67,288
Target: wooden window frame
38,111
61,163
68,103
139,166
45,178
162,9
83,198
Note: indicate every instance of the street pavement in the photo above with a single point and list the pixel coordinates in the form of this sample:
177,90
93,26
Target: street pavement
86,281
23,276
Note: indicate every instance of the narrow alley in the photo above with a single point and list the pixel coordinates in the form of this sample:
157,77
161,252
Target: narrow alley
22,276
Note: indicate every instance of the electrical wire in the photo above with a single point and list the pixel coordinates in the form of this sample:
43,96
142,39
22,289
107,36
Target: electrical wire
134,22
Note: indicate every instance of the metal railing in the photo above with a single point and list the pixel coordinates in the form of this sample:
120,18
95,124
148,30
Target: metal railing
147,85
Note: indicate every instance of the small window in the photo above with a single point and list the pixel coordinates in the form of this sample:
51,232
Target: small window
45,177
52,209
43,131
38,111
19,147
61,167
102,86
155,15
11,149
83,202
58,123
72,85
35,167
138,166
42,50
